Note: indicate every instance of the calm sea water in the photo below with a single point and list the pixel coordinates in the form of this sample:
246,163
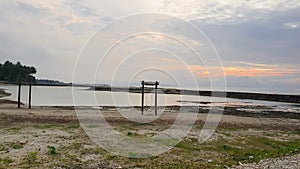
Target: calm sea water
81,96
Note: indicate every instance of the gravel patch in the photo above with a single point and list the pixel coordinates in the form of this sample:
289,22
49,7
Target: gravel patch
289,162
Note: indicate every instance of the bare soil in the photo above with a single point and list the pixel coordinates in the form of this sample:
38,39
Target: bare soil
27,134
52,137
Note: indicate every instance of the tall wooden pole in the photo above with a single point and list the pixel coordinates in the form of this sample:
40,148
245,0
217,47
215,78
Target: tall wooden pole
19,95
143,86
29,99
156,84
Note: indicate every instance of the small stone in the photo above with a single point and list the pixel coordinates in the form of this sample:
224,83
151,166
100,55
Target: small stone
251,157
23,142
120,167
209,161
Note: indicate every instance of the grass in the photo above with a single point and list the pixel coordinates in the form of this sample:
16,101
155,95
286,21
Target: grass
67,160
134,126
16,146
5,162
296,131
226,151
241,149
223,152
67,157
74,125
51,150
7,146
14,129
93,126
110,157
67,126
46,126
77,145
3,147
136,135
31,159
91,151
189,153
188,146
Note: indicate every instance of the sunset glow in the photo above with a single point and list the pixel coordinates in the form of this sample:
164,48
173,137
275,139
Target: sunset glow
213,71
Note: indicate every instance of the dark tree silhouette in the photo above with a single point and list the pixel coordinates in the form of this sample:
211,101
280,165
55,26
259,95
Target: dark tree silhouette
13,73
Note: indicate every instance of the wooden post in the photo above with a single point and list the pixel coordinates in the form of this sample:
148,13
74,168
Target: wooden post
143,86
156,84
29,99
19,95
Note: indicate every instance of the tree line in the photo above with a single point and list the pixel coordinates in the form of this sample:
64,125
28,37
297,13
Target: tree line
14,73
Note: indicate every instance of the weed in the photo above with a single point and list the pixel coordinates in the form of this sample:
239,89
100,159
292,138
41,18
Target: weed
187,146
136,135
91,151
93,126
258,148
296,131
31,158
45,126
4,162
110,156
16,146
63,127
77,146
3,147
73,126
14,129
129,133
132,155
51,150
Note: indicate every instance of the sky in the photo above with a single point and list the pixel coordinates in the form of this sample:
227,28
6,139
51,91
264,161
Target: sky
252,44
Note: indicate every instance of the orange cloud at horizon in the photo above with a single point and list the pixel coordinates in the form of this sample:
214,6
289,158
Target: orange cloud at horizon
216,71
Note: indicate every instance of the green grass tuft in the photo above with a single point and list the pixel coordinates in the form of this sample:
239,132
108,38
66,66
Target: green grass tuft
51,150
5,162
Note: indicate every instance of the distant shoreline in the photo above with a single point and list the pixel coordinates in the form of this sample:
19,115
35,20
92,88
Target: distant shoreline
233,95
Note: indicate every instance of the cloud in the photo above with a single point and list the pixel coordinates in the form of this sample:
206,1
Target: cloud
81,8
228,10
252,64
257,40
264,41
28,7
292,25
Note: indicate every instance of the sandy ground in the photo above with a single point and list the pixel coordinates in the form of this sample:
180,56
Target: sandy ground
27,134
